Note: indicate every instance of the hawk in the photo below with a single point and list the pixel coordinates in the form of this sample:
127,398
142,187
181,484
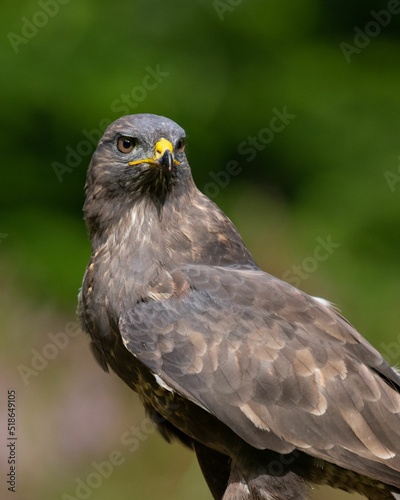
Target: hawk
272,388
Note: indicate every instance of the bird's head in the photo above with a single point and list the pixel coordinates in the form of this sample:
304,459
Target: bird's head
139,158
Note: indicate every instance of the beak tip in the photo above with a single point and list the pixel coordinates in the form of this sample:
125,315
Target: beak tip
167,161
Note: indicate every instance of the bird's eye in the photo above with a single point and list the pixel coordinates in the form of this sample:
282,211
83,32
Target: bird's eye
180,145
126,144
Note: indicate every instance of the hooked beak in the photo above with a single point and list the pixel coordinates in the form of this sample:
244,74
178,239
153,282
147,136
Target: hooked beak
163,156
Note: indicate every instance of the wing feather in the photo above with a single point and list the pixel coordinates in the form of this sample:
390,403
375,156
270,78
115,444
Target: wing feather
281,369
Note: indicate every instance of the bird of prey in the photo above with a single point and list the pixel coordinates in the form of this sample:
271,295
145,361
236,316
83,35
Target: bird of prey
272,388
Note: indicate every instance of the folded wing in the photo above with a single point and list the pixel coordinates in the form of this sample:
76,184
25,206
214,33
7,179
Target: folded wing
282,369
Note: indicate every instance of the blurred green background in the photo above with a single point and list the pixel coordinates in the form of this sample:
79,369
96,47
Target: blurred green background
223,70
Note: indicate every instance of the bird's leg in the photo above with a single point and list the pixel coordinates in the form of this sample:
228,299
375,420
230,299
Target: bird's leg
237,488
265,476
215,468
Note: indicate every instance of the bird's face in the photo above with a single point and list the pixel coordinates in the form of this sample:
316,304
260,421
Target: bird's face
139,157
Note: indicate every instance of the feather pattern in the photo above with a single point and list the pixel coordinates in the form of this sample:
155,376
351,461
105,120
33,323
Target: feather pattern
272,388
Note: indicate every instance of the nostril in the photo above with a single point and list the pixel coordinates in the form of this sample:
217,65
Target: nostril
161,146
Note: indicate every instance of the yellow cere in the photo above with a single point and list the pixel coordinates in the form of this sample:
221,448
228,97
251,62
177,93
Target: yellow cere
161,146
159,149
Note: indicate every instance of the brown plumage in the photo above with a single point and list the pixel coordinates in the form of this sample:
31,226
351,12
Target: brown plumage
271,387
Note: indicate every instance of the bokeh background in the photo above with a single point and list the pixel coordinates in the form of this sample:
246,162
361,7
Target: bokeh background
222,70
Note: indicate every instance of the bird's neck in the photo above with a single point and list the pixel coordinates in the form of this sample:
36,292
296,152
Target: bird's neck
190,229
